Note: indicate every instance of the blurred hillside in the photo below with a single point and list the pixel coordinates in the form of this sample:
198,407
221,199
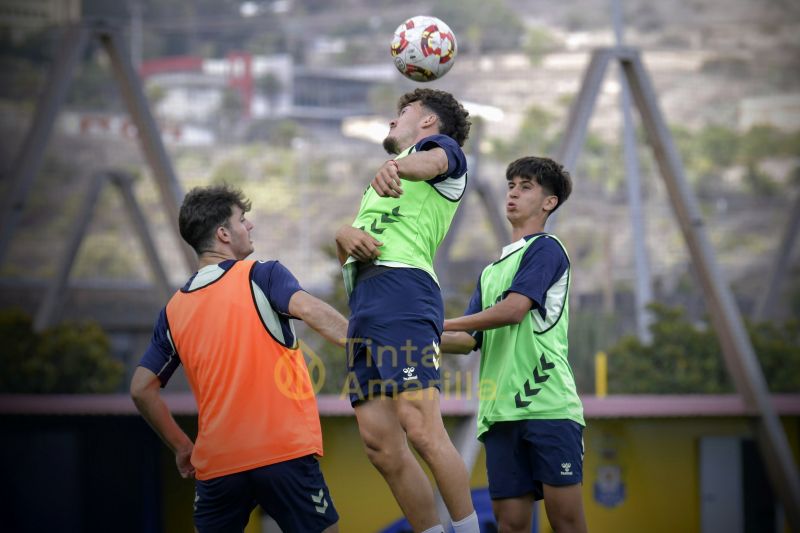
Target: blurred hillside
727,75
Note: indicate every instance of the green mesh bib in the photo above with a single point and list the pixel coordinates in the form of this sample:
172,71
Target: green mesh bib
524,371
410,227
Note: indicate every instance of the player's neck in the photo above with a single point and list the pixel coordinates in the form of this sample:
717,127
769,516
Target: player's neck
423,133
529,227
214,257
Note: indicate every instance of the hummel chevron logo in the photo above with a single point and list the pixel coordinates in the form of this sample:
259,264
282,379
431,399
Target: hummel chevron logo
529,391
537,378
520,402
375,229
320,498
385,219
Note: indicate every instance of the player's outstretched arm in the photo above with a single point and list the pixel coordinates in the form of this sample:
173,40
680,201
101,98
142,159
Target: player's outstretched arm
459,342
323,318
145,391
510,310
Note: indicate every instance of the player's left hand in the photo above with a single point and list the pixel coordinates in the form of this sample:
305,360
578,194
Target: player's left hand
183,459
387,181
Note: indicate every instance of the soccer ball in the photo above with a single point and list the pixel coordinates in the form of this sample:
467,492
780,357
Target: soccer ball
423,48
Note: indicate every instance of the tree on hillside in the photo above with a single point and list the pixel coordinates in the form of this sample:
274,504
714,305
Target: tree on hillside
68,358
685,357
534,136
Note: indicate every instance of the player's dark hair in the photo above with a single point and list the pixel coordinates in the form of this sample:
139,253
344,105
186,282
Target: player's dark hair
453,118
552,176
205,209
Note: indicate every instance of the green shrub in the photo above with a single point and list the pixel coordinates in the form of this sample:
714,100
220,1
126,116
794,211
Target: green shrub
68,358
685,357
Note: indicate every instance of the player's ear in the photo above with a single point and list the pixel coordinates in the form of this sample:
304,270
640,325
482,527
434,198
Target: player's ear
223,234
550,203
431,119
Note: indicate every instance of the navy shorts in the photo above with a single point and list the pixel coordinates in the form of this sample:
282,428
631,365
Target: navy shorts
395,327
292,492
523,455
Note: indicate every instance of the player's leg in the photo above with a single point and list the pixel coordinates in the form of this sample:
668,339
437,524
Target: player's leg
508,467
387,449
222,504
556,454
386,309
420,415
295,495
415,334
380,430
564,506
514,515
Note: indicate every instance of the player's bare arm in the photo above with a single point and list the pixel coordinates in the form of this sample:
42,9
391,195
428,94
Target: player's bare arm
419,166
354,242
510,310
145,391
323,318
459,342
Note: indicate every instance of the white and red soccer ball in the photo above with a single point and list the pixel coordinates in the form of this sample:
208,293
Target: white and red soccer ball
424,48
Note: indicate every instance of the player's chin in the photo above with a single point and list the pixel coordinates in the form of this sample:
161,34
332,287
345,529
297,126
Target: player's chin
390,145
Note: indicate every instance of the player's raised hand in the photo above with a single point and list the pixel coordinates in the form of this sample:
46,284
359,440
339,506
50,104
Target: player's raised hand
387,181
358,243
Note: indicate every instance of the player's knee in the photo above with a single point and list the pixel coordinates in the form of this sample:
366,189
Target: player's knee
385,458
386,462
565,521
513,524
426,443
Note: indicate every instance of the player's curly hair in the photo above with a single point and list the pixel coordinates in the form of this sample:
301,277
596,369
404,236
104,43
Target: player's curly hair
552,176
205,209
453,118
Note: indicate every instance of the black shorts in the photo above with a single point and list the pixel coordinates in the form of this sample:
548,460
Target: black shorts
292,492
523,455
393,335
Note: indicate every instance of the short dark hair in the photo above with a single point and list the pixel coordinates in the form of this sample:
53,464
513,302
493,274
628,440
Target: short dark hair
552,176
453,118
205,209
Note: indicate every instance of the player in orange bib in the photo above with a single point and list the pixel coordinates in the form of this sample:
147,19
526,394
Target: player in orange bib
230,326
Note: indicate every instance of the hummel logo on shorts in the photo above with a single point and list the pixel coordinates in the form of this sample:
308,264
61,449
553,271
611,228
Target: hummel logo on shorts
320,499
566,469
409,373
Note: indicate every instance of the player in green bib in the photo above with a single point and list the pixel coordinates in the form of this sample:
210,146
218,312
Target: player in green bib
530,417
397,312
